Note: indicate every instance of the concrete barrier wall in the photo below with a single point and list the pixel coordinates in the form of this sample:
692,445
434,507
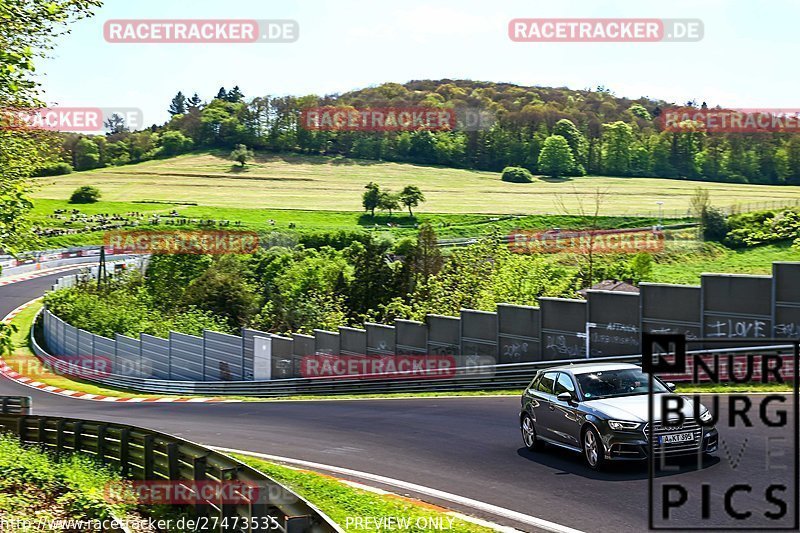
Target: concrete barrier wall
186,357
563,328
722,307
224,355
478,333
736,306
155,355
614,327
786,297
352,341
326,342
380,339
412,337
519,333
671,309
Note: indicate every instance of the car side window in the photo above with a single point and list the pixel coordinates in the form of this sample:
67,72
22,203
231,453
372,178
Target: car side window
535,383
547,382
564,384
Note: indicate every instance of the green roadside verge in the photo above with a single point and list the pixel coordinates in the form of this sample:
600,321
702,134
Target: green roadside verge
40,492
346,504
27,364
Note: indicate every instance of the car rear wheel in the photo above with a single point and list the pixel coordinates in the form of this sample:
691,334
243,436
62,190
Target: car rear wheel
593,449
529,434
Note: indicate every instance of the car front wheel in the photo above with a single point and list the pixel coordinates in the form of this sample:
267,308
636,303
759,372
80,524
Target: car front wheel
592,449
529,434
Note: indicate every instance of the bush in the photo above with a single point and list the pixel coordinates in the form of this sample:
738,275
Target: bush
85,195
517,175
338,240
54,169
761,227
125,307
174,143
715,225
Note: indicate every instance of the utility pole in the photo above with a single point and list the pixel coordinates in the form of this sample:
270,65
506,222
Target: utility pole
660,217
102,275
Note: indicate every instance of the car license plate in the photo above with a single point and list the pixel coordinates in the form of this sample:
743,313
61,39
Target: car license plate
675,437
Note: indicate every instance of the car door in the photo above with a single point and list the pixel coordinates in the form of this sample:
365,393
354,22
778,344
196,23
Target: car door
564,418
542,409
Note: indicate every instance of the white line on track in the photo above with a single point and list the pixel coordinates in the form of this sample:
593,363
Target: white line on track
435,493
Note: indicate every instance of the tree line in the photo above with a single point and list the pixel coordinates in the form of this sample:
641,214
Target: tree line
554,131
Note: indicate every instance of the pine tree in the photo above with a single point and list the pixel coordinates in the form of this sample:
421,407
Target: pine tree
235,95
178,105
426,257
194,102
222,94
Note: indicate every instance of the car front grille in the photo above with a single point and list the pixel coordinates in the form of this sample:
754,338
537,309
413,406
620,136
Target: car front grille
689,425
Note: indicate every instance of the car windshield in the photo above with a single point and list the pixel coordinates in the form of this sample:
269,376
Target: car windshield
619,382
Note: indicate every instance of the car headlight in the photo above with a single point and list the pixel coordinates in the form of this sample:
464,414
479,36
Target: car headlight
706,416
622,424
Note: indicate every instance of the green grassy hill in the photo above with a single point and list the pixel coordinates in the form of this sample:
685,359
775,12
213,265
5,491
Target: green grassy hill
336,184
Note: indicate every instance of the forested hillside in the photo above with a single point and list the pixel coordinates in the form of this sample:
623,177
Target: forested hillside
603,134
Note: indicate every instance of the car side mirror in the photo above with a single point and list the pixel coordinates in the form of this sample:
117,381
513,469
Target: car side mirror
671,386
565,397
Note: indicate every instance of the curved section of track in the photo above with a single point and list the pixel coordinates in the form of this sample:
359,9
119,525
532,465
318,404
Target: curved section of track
465,446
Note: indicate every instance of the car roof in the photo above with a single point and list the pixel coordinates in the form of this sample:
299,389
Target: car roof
588,368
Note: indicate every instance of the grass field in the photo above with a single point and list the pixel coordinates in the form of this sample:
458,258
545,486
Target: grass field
756,260
447,225
336,184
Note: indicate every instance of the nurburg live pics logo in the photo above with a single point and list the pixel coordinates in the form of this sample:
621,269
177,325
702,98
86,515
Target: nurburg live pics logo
751,481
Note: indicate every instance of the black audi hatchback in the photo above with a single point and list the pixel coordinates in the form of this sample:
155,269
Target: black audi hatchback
601,411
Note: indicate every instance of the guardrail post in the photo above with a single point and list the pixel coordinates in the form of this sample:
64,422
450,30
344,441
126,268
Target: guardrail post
41,433
298,524
102,429
124,450
77,435
173,467
21,428
199,465
148,456
259,513
227,510
5,405
60,436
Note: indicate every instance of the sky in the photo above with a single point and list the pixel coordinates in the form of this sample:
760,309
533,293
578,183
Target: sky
747,57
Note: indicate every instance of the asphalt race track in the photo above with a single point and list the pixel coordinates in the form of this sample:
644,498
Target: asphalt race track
465,446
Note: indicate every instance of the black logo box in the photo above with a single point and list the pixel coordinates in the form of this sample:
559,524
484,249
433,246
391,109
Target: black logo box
654,347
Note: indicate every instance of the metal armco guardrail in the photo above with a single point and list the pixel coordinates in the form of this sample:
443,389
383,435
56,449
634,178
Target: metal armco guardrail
142,454
15,405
